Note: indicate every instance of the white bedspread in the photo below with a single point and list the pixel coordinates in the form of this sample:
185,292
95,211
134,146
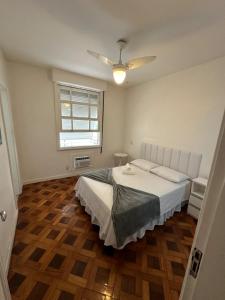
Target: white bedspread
97,197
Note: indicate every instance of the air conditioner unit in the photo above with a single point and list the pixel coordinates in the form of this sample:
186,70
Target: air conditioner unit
81,162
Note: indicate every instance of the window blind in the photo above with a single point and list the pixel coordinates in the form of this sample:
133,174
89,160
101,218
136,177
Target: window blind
80,113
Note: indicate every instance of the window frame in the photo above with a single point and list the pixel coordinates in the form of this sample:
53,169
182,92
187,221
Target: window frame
59,117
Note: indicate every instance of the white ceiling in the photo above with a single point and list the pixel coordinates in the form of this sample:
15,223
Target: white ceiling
182,33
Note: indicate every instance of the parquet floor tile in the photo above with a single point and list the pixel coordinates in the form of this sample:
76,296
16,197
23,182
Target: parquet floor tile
57,254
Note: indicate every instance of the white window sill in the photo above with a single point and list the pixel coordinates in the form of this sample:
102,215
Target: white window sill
79,147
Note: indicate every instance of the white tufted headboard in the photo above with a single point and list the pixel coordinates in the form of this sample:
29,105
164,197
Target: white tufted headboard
182,161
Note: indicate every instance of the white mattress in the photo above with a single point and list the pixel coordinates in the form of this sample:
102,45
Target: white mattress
97,197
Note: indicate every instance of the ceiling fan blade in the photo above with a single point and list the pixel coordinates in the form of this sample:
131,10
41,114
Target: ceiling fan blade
139,62
100,57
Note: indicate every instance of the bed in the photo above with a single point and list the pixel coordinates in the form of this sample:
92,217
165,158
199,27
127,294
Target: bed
97,197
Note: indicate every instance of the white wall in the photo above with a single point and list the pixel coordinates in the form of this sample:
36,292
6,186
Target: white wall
34,117
183,110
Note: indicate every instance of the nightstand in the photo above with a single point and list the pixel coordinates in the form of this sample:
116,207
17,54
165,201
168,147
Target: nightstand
198,188
120,158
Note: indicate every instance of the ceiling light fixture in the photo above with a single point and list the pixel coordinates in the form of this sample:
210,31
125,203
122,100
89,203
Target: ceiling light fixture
119,73
120,69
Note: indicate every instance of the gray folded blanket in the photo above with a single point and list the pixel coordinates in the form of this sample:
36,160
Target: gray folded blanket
132,209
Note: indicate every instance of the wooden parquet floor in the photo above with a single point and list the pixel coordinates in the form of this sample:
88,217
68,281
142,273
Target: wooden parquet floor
57,253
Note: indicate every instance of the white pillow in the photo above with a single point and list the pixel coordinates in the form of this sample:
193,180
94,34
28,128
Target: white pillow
170,174
144,164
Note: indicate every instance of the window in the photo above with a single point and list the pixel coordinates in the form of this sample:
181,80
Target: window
79,117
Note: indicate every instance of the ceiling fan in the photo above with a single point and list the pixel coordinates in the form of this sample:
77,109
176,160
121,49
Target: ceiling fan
120,69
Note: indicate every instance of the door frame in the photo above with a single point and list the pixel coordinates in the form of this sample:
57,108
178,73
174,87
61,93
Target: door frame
208,213
3,271
4,284
10,140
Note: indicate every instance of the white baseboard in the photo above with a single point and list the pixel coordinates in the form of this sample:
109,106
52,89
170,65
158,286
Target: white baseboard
70,174
35,180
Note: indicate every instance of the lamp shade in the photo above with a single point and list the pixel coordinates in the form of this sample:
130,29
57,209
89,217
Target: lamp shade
119,74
